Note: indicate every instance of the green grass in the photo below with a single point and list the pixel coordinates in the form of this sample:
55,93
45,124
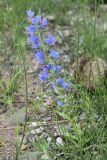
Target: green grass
87,139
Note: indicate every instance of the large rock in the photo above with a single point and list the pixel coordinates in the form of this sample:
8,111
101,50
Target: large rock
90,72
17,117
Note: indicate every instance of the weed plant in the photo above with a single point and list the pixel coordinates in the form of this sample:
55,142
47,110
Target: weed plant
86,112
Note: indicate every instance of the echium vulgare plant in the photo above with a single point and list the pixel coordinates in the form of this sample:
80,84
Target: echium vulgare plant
46,55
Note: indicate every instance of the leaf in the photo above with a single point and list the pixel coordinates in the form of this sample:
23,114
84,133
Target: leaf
66,116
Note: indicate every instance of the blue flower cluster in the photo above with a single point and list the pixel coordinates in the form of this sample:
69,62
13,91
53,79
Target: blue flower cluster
46,56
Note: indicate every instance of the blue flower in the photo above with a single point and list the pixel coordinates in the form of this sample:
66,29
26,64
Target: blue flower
30,13
43,23
58,68
31,29
36,45
44,76
54,68
45,69
36,20
39,56
66,85
51,40
59,103
54,54
34,40
60,81
50,66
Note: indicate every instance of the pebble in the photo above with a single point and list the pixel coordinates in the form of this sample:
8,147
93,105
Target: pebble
45,135
33,132
55,127
59,141
55,134
45,157
49,118
43,109
42,136
25,140
67,33
66,59
24,147
35,138
50,17
70,13
49,139
39,130
33,124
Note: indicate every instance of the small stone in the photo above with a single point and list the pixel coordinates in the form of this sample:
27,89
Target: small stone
59,141
50,17
48,118
49,139
70,12
39,130
25,140
24,147
67,33
33,132
37,138
30,71
56,127
41,137
43,110
66,59
33,124
55,134
45,135
45,157
33,139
